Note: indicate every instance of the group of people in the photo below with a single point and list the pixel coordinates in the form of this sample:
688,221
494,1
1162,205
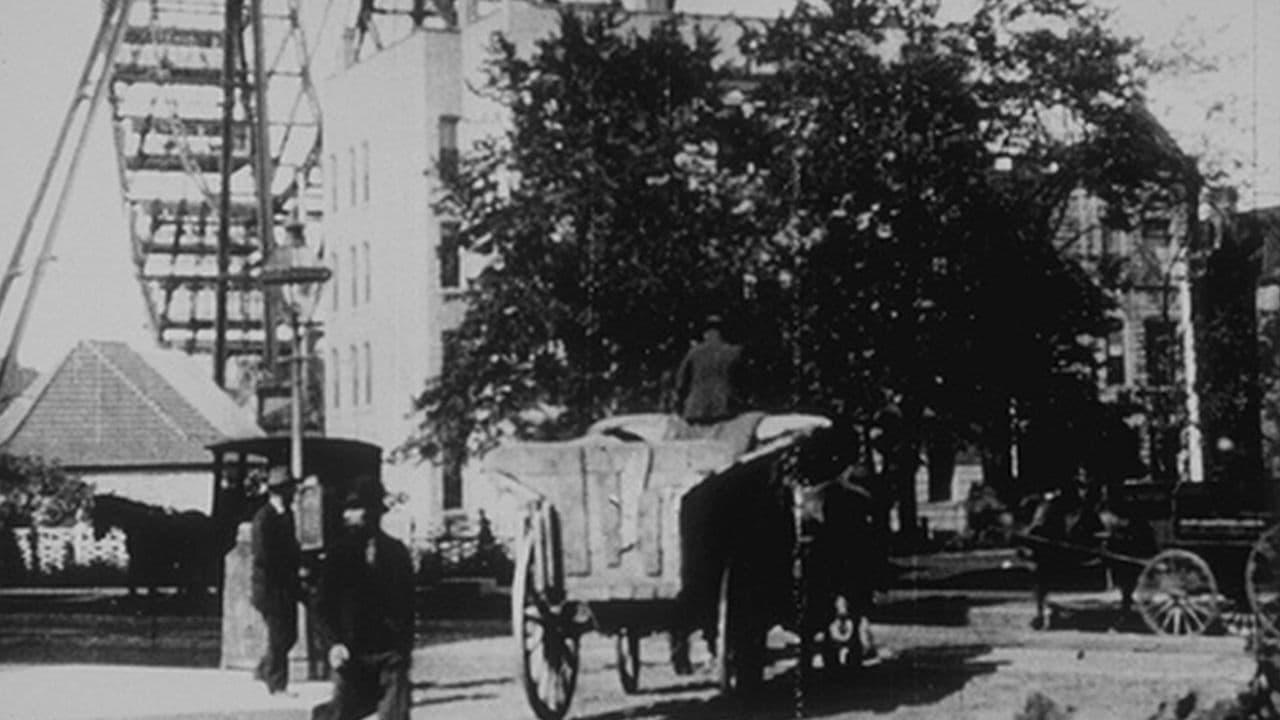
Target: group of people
364,607
365,598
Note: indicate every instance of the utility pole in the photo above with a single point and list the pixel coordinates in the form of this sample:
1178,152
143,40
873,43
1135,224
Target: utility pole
264,174
230,51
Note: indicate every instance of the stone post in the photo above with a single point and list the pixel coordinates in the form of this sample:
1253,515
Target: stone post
244,634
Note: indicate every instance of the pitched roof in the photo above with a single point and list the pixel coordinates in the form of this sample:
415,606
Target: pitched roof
107,405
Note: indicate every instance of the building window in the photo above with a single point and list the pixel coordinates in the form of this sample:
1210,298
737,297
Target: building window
364,171
450,256
368,272
448,134
368,374
335,287
336,371
451,481
333,182
352,169
1115,357
1161,350
451,466
355,376
355,277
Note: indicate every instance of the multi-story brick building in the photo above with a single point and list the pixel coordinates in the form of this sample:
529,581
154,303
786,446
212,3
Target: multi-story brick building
1148,358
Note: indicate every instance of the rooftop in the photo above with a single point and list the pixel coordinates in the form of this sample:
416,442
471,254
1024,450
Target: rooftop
109,405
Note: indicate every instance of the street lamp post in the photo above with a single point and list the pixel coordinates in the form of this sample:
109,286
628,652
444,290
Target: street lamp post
296,271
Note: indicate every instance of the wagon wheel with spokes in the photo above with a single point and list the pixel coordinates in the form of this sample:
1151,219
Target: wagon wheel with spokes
1177,595
1262,581
543,625
739,639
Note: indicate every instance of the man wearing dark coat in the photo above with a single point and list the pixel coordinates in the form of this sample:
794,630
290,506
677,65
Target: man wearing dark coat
366,607
707,380
275,586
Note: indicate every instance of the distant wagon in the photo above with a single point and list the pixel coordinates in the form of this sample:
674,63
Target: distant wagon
1209,548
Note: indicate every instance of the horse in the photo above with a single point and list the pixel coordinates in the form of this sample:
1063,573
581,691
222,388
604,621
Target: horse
1070,531
165,547
791,528
842,562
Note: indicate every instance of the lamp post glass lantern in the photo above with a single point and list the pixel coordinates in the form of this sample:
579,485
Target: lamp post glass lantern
297,272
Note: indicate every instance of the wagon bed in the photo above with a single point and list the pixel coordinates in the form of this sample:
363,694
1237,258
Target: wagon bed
617,507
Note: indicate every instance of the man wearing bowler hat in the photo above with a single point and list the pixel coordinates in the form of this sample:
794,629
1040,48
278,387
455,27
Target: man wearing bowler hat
708,379
366,607
275,585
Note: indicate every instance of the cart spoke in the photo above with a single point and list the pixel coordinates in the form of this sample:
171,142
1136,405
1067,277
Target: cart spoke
1195,620
1205,605
1159,604
547,689
533,640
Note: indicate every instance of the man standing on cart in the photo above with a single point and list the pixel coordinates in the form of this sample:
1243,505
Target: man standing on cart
707,381
706,397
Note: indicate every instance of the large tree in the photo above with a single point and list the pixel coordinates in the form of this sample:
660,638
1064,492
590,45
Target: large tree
883,198
611,209
921,169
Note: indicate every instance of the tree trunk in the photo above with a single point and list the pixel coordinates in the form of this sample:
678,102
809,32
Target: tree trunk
997,444
904,461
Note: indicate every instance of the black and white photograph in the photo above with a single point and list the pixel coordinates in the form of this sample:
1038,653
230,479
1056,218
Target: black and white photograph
640,359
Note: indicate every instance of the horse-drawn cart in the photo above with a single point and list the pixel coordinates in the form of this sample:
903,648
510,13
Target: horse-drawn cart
1207,552
634,538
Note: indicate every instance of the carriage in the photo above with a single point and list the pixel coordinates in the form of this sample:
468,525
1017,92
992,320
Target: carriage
627,533
1215,548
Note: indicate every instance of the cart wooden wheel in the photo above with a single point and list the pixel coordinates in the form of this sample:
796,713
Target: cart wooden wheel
627,645
1177,594
739,647
547,638
1262,581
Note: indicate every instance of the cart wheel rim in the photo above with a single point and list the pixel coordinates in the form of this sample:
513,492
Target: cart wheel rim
739,648
627,647
547,645
1262,581
725,660
1177,594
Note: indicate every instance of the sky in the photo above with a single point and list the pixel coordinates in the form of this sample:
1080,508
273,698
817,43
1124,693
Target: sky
1227,116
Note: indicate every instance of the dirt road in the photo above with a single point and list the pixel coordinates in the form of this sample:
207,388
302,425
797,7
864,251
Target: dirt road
984,669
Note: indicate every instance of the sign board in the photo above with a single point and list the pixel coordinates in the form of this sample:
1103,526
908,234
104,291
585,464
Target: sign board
309,510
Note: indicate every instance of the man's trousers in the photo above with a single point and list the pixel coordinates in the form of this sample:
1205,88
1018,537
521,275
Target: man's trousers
368,682
282,633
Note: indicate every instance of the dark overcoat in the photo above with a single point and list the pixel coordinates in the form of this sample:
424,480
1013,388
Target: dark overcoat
368,608
706,383
276,557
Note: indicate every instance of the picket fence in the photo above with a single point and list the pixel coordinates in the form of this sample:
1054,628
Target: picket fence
57,549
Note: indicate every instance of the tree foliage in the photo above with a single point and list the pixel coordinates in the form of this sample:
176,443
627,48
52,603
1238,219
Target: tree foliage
611,211
880,205
37,492
921,169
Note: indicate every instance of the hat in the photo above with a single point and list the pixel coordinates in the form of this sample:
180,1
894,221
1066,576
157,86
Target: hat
366,492
713,321
278,477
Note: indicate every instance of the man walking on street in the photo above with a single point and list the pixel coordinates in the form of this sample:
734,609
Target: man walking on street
366,607
275,586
